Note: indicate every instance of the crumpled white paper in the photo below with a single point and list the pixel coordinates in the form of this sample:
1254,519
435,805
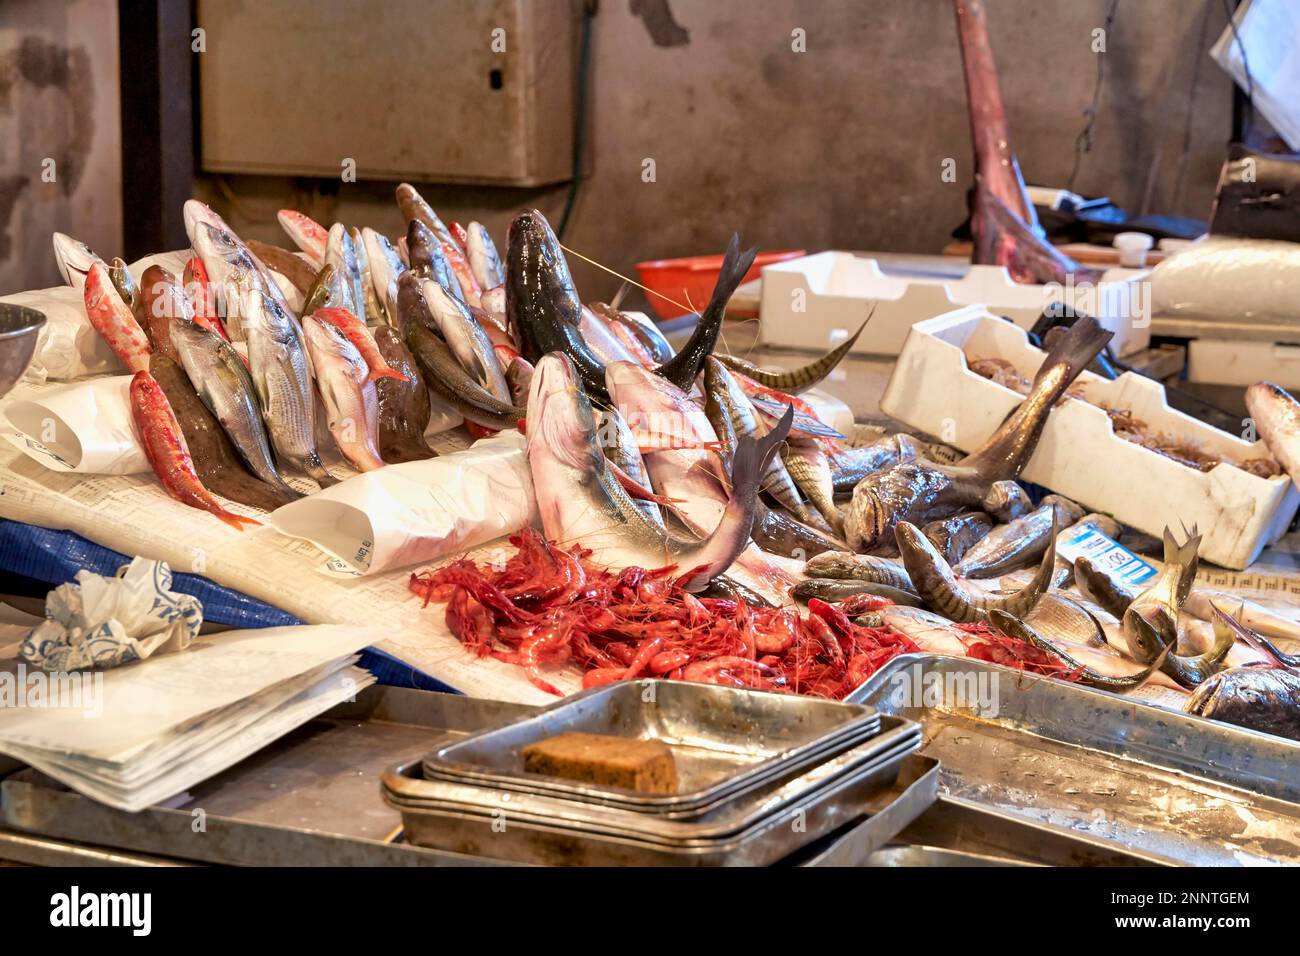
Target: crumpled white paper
417,511
100,622
85,427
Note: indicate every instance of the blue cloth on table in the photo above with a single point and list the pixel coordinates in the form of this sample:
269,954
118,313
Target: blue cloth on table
48,558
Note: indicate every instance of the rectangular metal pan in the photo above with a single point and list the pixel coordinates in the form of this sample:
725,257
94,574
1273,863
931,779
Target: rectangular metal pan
1150,785
770,839
722,737
405,789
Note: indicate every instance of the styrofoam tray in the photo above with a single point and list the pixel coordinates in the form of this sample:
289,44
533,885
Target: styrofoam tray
1079,455
818,300
1233,362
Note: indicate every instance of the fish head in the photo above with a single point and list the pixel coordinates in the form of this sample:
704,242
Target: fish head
1274,410
74,259
537,269
1148,629
561,424
332,353
197,214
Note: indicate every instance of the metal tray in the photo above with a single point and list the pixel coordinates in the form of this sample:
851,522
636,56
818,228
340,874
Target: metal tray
769,840
695,810
729,815
885,815
1084,768
722,738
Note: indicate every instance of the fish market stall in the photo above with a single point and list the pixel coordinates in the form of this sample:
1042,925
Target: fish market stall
366,540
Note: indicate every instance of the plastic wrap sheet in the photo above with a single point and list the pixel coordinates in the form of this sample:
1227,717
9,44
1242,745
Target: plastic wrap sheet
68,346
1240,280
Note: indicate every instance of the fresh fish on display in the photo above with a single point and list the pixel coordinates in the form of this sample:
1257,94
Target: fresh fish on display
277,359
362,340
226,389
604,344
779,533
912,491
834,590
164,446
74,259
645,331
466,339
404,408
1094,668
112,318
810,468
443,373
733,417
861,567
620,448
414,209
1150,622
1021,542
307,234
800,379
428,260
351,403
1276,415
164,302
955,535
374,309
942,592
341,253
385,268
545,313
300,273
850,465
580,501
127,288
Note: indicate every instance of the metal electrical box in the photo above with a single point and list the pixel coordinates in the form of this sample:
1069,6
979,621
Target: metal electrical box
460,91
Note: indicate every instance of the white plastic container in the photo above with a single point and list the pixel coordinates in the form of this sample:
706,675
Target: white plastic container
1079,455
813,302
1242,362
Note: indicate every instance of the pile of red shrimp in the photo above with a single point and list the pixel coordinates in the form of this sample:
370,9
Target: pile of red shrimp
548,607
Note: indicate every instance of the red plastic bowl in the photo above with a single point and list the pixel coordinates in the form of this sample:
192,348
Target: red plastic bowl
690,281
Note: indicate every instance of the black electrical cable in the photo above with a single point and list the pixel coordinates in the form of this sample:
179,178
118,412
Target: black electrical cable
580,119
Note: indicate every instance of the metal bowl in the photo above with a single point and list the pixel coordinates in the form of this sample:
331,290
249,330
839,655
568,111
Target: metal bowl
20,327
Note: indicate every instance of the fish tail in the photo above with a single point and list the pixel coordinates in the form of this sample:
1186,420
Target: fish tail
683,368
378,373
717,552
1007,450
235,521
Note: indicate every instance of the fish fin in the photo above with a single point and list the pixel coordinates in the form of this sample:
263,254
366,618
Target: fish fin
378,373
683,367
1006,451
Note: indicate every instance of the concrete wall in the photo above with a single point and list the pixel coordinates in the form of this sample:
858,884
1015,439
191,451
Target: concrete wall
839,146
60,135
836,147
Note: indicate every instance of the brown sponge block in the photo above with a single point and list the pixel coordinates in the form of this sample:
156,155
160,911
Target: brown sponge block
644,765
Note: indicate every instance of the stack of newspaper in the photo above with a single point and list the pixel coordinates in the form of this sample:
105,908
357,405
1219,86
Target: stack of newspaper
135,735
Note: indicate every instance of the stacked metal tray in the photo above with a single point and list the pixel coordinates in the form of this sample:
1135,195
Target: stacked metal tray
762,775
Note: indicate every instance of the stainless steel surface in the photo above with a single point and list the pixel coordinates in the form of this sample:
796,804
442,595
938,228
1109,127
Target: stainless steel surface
40,851
884,815
1120,778
723,738
512,836
310,799
913,856
20,328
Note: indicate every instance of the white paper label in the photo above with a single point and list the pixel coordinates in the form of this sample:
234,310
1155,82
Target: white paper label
1106,554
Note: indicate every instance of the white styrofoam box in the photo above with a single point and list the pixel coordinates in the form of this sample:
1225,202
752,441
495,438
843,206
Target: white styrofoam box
1079,455
819,300
1234,362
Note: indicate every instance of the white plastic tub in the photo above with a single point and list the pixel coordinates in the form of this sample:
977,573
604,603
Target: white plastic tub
1079,455
815,301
